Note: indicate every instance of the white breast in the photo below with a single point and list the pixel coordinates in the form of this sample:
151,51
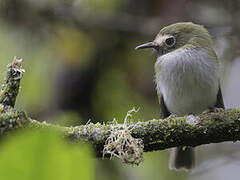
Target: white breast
188,80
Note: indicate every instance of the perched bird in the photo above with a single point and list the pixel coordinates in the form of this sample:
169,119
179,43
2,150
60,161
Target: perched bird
186,77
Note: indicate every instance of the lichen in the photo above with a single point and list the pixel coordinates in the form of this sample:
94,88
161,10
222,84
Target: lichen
121,144
192,120
11,119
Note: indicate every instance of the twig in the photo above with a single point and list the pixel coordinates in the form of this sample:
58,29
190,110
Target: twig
10,88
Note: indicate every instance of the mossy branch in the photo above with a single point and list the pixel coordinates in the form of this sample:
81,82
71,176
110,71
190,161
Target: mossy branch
156,134
10,88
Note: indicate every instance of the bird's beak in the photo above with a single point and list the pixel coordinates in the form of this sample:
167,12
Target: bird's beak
146,45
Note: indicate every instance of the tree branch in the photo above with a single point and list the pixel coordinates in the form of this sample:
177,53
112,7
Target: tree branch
10,88
149,135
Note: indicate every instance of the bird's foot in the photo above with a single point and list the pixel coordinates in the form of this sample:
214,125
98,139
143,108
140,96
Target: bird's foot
215,110
172,116
218,110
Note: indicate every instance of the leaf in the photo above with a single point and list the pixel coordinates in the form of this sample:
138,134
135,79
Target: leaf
44,156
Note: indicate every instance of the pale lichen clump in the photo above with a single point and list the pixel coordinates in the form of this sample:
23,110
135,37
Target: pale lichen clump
192,120
121,144
17,66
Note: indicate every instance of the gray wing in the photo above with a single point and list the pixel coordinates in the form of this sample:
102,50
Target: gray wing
164,113
219,102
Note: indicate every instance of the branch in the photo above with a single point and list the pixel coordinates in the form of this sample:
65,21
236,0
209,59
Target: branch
154,134
128,140
171,132
10,88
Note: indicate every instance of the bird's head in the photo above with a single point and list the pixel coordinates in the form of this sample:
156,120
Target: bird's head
180,35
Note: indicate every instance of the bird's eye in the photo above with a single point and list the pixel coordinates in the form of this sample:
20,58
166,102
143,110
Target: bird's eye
170,41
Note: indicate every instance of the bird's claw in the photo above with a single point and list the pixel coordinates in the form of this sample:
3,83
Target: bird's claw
172,116
215,110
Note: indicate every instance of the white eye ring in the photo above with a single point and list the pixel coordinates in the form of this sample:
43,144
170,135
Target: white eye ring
170,41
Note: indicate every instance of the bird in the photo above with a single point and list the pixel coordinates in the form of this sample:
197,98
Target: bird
187,78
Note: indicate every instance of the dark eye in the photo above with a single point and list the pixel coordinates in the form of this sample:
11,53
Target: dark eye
170,41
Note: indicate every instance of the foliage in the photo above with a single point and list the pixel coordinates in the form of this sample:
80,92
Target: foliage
42,155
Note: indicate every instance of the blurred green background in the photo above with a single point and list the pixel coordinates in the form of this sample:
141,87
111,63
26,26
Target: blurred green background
81,64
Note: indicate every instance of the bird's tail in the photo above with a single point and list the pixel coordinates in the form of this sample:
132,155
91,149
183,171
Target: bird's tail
182,158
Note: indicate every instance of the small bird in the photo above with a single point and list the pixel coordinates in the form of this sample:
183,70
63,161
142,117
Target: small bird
187,78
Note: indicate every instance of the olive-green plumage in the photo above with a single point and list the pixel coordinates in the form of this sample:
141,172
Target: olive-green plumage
186,76
188,35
